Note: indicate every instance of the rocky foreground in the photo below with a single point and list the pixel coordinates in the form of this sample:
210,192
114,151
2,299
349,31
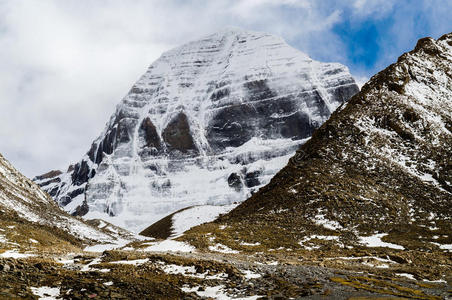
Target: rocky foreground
148,270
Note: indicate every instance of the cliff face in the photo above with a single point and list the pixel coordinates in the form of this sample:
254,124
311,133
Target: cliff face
208,123
380,166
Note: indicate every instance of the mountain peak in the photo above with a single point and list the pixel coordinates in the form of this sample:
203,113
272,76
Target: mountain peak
208,123
231,39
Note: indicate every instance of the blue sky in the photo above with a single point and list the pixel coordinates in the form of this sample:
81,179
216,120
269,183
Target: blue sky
372,34
66,64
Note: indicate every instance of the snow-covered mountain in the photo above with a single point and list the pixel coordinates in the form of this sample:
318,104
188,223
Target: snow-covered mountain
208,123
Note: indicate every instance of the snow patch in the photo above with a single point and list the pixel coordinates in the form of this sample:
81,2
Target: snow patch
222,248
407,275
46,293
105,247
87,267
134,262
169,246
15,254
250,244
250,274
375,241
189,271
215,292
329,224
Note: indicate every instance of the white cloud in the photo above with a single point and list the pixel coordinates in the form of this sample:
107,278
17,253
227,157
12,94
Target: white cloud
373,8
247,8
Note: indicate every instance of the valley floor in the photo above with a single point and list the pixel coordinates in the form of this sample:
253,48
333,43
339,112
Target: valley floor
146,270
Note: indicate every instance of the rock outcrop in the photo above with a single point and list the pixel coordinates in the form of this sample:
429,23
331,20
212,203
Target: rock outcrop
28,212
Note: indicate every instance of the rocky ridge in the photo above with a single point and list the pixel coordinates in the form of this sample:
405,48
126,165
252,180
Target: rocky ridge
385,156
373,182
30,219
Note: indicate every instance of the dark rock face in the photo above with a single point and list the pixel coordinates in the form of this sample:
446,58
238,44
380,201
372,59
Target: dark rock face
119,132
177,135
124,131
252,179
81,173
53,180
345,92
235,125
49,175
107,145
151,136
235,181
71,195
258,90
53,192
224,130
81,210
296,126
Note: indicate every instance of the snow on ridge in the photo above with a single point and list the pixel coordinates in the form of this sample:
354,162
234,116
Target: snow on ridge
26,199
